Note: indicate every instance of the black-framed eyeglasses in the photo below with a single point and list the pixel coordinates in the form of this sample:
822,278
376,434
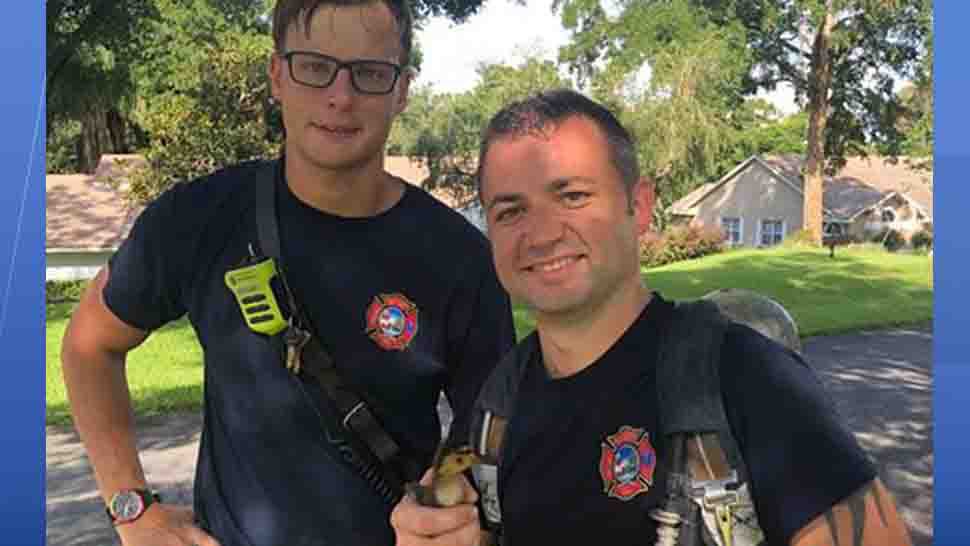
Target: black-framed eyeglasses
319,70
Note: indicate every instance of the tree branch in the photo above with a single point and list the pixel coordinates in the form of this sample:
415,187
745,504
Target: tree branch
91,23
793,75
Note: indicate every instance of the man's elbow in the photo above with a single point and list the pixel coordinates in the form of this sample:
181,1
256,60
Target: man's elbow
94,334
78,348
81,350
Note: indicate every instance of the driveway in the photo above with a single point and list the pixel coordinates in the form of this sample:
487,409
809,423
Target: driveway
881,382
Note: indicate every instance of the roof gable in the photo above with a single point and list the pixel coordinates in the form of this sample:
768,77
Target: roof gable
688,204
860,185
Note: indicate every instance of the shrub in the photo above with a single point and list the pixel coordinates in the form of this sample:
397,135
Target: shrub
880,236
922,239
219,114
894,241
890,239
680,243
61,291
62,141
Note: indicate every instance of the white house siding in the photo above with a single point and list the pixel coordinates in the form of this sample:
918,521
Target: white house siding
70,266
753,195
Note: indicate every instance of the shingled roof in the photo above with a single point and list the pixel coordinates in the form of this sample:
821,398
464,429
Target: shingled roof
863,182
88,213
85,215
859,185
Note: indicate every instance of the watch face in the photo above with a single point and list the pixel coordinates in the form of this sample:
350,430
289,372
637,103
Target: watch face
126,505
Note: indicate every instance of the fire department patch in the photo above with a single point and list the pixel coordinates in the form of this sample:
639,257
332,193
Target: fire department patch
627,463
392,321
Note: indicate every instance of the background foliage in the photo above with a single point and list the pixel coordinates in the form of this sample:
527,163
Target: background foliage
183,82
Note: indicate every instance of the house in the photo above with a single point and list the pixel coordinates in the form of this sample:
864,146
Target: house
759,202
87,218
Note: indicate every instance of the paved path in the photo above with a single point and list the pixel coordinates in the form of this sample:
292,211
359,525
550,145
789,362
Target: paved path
882,383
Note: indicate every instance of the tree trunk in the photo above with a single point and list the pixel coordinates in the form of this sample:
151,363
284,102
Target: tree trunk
116,129
819,84
95,140
88,150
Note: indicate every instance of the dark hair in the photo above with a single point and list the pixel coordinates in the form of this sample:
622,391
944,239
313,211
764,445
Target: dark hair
534,116
289,12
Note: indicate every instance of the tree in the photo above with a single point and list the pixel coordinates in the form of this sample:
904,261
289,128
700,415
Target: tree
90,47
93,95
95,48
442,131
916,118
689,115
218,114
768,136
842,57
456,10
71,24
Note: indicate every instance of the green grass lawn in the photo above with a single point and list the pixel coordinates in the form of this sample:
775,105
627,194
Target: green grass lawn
164,373
859,289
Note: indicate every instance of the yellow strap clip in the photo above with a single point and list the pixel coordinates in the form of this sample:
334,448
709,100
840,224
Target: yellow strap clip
725,523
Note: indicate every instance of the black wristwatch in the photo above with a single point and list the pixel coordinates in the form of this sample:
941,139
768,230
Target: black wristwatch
128,505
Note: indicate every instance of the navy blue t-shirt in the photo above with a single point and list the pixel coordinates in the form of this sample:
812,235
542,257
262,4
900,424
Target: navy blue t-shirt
407,302
560,482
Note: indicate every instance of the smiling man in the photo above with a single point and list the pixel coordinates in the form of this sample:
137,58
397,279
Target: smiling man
329,316
581,458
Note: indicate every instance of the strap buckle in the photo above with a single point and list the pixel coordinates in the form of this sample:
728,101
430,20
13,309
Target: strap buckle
362,422
716,492
716,497
725,523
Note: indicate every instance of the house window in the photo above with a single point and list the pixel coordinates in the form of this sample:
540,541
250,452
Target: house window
888,215
772,232
834,228
732,230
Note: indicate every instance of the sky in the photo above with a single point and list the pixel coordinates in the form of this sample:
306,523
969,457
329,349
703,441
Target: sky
502,32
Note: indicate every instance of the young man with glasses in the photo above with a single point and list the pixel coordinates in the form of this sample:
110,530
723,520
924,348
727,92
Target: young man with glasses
361,256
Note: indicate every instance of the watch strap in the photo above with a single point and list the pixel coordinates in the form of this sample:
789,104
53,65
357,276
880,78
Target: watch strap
147,497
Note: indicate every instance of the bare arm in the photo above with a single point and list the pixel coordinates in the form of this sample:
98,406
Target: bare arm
93,357
868,517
